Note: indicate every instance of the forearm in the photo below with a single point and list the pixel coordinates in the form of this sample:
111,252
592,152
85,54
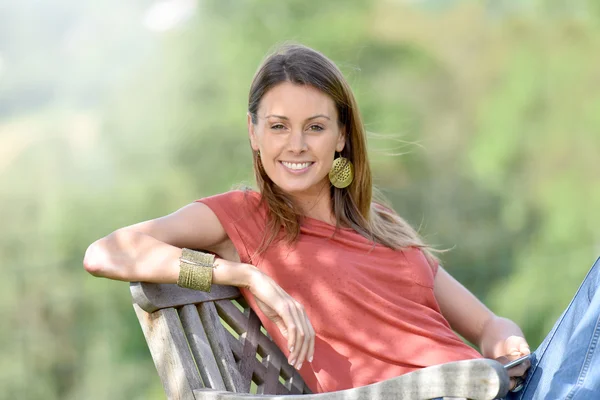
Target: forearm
136,257
132,256
494,335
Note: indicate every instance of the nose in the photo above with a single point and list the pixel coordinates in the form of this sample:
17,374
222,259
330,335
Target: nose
297,142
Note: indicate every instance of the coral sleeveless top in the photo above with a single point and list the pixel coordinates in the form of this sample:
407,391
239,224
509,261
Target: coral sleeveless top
373,308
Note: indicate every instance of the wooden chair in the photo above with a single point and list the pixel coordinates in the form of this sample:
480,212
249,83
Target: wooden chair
212,346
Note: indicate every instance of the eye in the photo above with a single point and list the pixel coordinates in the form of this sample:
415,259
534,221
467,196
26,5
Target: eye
277,126
316,128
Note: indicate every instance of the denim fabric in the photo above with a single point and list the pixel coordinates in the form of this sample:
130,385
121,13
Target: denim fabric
567,363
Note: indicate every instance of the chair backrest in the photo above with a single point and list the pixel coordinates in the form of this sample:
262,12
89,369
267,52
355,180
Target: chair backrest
210,340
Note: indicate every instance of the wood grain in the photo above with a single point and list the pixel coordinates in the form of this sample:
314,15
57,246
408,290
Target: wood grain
200,347
472,379
155,296
170,352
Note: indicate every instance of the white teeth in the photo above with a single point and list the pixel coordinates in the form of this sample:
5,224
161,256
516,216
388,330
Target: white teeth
296,165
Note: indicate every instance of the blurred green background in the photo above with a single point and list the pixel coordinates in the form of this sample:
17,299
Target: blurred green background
485,121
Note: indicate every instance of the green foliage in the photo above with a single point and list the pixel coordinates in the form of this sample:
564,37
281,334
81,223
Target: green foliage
483,125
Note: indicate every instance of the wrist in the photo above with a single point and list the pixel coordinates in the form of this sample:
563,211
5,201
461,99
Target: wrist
233,273
254,277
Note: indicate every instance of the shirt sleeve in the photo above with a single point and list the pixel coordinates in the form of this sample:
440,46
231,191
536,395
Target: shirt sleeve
242,218
432,261
435,264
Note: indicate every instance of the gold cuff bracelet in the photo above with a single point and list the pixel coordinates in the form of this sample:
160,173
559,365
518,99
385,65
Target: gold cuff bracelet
195,270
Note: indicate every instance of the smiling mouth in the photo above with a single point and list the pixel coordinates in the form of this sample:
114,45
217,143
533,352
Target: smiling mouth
296,166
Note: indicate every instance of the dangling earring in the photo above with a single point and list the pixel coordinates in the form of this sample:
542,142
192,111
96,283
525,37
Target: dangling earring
341,173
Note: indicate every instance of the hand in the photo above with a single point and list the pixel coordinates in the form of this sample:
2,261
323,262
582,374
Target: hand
515,347
289,316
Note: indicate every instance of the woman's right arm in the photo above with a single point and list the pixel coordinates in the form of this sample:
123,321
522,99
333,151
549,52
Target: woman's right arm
150,251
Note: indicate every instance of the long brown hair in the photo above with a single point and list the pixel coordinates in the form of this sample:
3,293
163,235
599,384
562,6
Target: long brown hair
352,206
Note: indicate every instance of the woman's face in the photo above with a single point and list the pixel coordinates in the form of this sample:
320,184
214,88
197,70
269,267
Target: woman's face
297,134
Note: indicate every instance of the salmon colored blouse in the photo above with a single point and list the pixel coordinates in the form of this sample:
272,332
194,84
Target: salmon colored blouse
373,308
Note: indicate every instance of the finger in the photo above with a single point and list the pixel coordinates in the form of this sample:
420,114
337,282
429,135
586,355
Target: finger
524,348
281,326
311,351
289,330
502,360
299,347
306,338
514,344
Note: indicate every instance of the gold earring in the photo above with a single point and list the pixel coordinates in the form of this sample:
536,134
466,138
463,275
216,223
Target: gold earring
341,173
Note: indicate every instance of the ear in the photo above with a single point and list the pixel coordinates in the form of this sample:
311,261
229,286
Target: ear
252,134
341,140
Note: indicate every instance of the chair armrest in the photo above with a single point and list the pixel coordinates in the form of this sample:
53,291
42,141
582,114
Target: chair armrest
480,379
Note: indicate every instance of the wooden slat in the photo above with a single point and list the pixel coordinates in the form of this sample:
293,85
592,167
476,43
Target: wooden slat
271,384
240,322
473,379
260,369
170,352
248,364
153,296
236,346
232,315
196,336
294,383
279,360
219,342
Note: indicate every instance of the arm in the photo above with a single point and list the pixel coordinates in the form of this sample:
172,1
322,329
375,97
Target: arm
150,251
496,337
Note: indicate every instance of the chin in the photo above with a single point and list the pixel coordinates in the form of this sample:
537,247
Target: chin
301,188
294,189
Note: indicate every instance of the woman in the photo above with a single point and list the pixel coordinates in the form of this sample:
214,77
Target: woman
344,286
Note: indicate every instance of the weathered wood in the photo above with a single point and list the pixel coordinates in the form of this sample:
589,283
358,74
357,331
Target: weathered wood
153,296
240,322
232,315
248,363
200,346
473,379
194,338
271,384
218,339
172,357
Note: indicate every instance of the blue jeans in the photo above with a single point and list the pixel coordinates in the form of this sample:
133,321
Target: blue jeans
567,363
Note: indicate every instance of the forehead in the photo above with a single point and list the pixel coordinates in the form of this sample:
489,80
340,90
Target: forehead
296,101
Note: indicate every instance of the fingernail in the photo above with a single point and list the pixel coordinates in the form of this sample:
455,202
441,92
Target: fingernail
292,362
299,366
310,359
291,349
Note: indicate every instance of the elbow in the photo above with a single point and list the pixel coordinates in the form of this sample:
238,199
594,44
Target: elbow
112,256
93,261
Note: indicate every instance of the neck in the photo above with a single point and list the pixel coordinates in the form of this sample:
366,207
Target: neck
316,205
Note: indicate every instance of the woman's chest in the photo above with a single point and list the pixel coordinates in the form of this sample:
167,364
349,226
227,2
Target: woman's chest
318,268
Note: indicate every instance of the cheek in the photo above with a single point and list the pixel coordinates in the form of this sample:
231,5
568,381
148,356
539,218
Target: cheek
271,144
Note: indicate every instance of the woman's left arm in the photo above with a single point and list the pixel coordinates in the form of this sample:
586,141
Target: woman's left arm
495,336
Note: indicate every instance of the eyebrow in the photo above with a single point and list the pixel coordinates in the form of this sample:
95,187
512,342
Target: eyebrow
308,119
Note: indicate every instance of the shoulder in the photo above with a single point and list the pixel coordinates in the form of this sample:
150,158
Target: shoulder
242,216
238,196
234,201
243,208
